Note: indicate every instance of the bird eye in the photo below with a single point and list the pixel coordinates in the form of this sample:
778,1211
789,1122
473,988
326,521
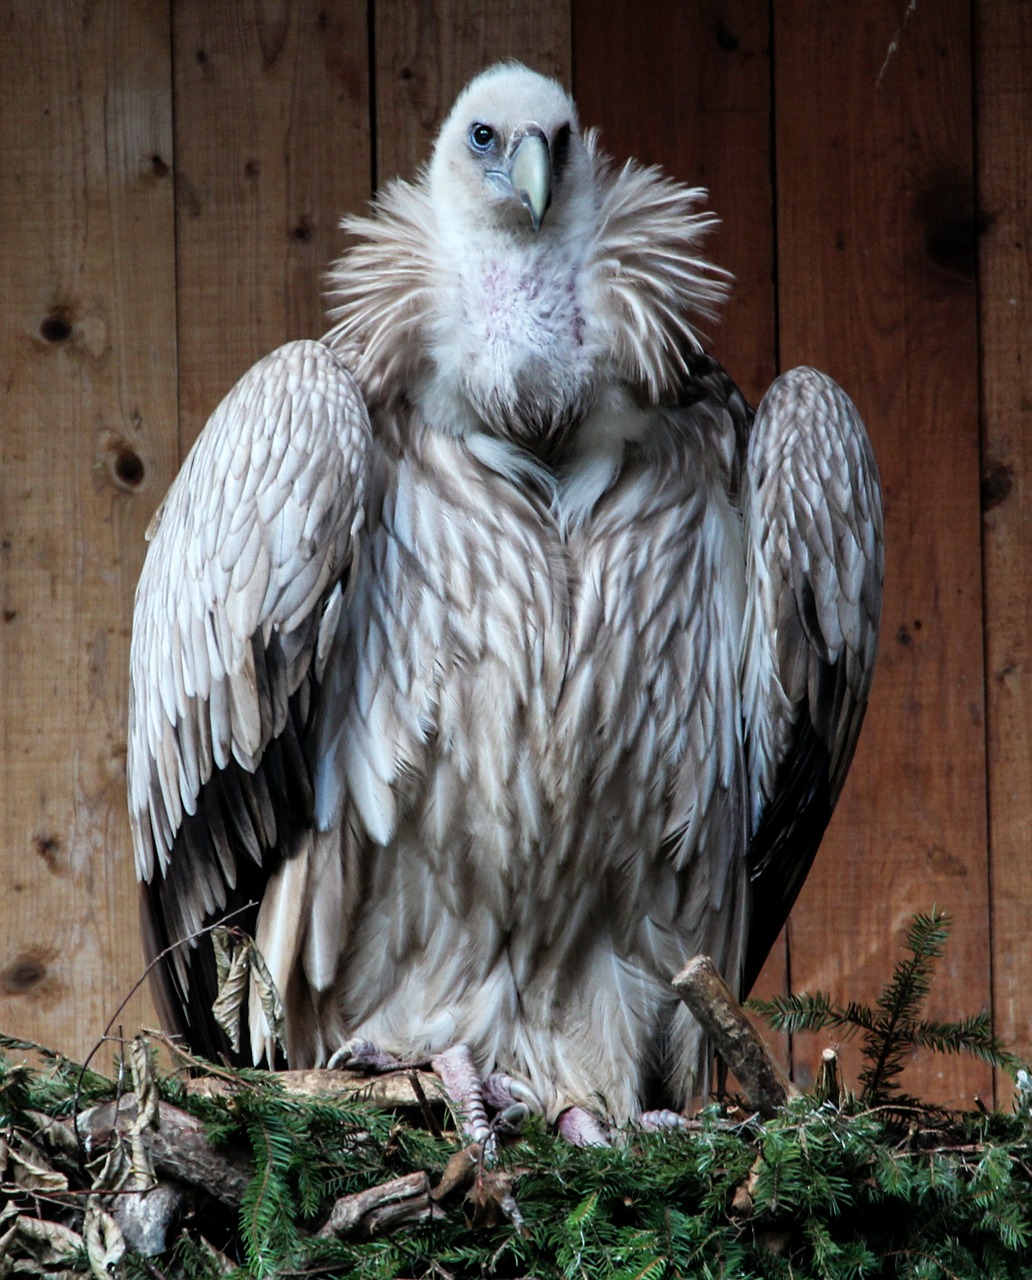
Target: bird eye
481,137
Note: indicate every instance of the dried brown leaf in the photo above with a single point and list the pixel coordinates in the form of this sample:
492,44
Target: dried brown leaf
31,1171
57,1134
232,963
268,996
491,1201
458,1173
105,1244
48,1241
110,1170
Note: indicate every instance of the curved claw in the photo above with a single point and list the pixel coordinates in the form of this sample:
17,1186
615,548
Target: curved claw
502,1090
510,1121
362,1055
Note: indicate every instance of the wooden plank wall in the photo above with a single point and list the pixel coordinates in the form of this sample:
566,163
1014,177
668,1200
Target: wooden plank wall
171,175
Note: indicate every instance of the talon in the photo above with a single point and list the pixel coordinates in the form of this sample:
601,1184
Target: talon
510,1121
362,1055
502,1090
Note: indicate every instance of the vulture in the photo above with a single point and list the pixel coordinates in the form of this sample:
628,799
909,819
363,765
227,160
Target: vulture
491,656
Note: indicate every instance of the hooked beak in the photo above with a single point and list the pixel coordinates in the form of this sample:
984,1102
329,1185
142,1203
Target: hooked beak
529,171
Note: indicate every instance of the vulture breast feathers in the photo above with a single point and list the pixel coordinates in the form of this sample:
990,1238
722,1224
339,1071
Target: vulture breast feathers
492,647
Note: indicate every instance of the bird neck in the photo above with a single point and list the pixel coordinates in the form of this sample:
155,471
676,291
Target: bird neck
509,350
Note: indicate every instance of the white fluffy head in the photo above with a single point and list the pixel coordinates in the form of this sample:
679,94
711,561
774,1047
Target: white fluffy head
507,99
507,95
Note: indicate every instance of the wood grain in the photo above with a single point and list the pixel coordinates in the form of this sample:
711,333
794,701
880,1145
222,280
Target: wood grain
876,286
87,365
731,1034
1004,121
272,147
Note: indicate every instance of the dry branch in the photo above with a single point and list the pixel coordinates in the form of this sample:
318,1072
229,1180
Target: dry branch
733,1036
178,1146
400,1202
396,1089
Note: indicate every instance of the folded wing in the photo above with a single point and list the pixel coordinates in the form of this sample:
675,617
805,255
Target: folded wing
815,561
242,584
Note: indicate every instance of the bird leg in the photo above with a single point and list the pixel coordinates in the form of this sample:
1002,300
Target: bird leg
582,1128
465,1089
510,1099
469,1095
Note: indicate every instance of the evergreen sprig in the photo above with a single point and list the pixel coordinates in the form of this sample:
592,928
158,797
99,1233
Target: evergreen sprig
814,1192
818,1192
893,1027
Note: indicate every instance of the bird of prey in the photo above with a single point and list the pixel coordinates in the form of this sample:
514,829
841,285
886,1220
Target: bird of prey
493,647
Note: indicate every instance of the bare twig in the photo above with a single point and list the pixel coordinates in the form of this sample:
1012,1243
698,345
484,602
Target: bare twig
400,1202
828,1085
734,1037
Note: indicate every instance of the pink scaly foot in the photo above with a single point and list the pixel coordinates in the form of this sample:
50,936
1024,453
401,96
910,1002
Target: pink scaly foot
662,1121
582,1129
465,1090
362,1055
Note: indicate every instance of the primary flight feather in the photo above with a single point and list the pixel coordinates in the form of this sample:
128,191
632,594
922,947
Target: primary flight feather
492,646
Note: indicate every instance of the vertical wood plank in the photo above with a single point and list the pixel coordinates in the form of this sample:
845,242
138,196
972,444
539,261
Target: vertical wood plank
1004,116
272,147
427,51
87,365
875,250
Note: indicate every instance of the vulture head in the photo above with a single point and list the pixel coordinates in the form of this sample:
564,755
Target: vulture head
509,149
522,281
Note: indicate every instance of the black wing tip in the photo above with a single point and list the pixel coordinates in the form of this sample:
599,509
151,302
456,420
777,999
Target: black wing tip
786,840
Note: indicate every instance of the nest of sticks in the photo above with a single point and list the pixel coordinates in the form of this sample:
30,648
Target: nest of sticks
201,1170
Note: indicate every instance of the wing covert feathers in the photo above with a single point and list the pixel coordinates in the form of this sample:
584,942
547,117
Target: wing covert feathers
815,561
252,539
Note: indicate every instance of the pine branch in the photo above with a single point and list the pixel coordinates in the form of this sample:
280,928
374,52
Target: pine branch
972,1035
814,1012
268,1214
886,1045
893,1027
